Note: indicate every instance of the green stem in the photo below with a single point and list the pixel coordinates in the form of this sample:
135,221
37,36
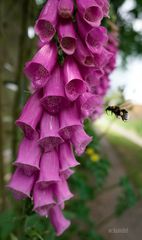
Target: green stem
2,182
19,72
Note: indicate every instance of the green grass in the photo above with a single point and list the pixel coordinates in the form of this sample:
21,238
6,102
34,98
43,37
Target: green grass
130,156
135,125
131,124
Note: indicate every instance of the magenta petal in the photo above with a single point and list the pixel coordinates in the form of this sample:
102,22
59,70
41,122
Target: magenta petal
49,137
40,44
39,68
43,200
102,58
74,84
62,205
105,8
104,4
90,11
45,26
28,156
69,121
67,37
98,112
105,82
59,222
66,157
31,116
83,55
93,77
87,102
61,191
49,169
85,71
80,140
95,38
54,97
20,184
67,173
65,8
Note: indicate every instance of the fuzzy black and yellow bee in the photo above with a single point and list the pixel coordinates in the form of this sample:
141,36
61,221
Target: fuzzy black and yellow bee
123,113
120,110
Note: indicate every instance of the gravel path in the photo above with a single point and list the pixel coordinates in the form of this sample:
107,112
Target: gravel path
129,225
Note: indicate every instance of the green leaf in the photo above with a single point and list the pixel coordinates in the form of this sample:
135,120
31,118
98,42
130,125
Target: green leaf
7,224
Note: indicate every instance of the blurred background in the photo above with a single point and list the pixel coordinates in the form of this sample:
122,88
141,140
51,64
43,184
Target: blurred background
108,184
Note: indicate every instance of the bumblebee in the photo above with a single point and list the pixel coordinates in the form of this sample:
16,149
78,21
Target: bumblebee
118,112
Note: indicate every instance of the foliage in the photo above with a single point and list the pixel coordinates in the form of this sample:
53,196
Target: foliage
130,39
133,125
128,197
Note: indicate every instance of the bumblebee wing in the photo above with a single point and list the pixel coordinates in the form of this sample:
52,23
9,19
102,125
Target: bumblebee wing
128,105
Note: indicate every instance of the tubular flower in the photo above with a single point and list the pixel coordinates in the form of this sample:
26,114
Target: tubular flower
39,68
30,116
95,37
67,37
91,11
54,98
64,94
49,137
29,155
69,121
65,8
45,26
83,55
74,83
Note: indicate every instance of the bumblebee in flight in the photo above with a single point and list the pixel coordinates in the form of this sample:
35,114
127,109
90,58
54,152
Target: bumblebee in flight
123,113
120,110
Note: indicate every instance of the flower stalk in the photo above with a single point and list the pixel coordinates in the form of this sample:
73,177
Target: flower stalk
69,77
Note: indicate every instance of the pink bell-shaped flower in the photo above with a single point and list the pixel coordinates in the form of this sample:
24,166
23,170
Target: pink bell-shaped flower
46,24
98,111
90,11
59,222
83,55
40,67
80,140
49,169
21,185
93,77
95,37
43,200
29,154
65,8
67,37
69,121
87,103
104,5
49,137
66,157
74,84
102,58
61,191
30,116
54,97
